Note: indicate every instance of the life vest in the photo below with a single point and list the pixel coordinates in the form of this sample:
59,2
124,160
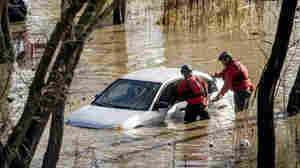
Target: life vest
239,74
194,89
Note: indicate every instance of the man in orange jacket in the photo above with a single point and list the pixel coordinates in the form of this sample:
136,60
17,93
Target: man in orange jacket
194,90
235,76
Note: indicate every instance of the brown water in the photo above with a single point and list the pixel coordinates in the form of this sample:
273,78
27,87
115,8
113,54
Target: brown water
140,43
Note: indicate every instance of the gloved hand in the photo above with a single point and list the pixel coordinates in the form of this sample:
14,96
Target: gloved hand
217,98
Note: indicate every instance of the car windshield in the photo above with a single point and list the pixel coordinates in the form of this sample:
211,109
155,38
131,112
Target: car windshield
128,94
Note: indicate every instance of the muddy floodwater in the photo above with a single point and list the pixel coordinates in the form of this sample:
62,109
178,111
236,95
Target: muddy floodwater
142,43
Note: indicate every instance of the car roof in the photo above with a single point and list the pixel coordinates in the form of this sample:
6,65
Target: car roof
159,74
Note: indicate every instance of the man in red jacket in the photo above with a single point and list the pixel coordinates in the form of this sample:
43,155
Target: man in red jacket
194,90
235,76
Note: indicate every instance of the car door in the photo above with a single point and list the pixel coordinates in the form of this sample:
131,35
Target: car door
166,102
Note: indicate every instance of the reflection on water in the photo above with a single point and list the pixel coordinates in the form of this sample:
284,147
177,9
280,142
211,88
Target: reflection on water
141,43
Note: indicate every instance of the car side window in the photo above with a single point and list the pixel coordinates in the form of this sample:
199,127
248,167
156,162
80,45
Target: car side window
168,94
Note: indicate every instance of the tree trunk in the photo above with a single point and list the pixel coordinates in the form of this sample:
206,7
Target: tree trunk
55,96
28,131
64,66
7,53
123,10
120,12
293,106
62,77
6,62
45,91
266,132
55,139
3,163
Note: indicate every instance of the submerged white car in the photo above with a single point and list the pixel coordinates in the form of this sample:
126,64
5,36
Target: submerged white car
137,99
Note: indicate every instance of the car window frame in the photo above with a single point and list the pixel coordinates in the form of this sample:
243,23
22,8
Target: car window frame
163,88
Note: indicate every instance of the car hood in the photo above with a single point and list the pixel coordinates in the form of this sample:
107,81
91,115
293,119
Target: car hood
93,116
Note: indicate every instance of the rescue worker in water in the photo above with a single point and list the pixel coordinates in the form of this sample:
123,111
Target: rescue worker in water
235,76
194,90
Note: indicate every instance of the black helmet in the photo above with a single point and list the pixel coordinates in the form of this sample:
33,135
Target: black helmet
186,69
225,56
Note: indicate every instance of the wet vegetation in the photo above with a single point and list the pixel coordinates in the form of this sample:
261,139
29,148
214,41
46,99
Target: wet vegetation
197,15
